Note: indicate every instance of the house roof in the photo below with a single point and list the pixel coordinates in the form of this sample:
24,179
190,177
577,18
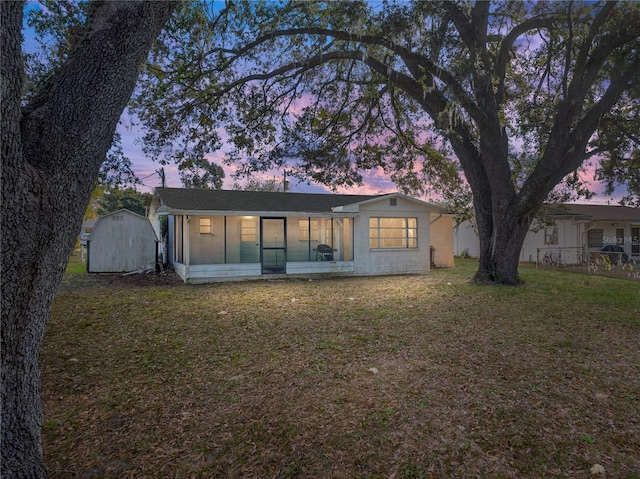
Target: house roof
195,199
595,212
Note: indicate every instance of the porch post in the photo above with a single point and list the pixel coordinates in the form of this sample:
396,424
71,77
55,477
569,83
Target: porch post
186,242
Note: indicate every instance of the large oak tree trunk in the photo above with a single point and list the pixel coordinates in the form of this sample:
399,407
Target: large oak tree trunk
500,245
52,149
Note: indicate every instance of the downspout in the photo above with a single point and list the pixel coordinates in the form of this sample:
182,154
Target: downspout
432,250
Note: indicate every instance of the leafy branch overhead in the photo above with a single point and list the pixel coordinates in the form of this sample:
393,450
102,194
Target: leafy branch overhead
413,88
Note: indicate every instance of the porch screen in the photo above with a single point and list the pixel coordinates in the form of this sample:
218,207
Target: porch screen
304,234
393,232
242,239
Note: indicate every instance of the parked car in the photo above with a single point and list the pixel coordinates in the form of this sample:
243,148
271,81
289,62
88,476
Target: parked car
615,253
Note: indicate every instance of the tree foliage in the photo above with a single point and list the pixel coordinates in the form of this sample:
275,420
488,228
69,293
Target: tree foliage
201,173
518,100
342,88
255,184
109,199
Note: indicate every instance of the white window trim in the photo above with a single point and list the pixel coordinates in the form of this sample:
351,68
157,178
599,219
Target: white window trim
407,237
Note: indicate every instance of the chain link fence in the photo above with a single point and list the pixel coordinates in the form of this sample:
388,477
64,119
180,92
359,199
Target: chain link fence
560,257
580,259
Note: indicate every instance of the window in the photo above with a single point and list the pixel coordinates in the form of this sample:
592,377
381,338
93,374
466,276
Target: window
635,241
205,226
249,231
308,230
595,238
393,233
551,235
620,237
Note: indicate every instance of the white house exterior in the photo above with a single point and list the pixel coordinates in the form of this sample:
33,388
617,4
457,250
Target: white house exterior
574,232
121,241
214,235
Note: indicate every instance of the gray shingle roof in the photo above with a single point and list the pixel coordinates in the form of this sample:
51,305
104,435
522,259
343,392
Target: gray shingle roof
596,212
195,199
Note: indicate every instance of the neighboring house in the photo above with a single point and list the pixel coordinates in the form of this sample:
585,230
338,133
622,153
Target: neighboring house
121,241
574,231
87,226
214,235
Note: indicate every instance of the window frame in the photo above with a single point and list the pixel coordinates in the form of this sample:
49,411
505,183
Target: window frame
379,233
308,229
205,229
551,235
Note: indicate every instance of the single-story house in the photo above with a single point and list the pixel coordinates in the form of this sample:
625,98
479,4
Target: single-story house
573,233
121,241
214,235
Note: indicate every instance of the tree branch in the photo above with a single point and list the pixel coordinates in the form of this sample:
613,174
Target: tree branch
506,45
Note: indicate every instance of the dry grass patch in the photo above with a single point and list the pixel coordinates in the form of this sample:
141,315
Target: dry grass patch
404,376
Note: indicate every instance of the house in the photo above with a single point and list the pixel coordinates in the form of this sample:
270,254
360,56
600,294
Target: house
213,235
572,233
121,241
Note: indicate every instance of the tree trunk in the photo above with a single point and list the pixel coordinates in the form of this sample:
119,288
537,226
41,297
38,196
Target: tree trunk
51,154
500,251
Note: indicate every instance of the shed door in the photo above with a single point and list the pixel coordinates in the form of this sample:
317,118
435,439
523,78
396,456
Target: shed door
274,245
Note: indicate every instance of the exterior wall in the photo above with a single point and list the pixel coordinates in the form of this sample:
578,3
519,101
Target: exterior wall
609,236
397,260
206,248
121,241
466,240
221,272
441,238
320,267
571,235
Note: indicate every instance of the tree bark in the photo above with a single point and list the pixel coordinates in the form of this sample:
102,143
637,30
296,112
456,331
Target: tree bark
52,149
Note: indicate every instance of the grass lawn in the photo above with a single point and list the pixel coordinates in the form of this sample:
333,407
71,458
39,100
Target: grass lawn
382,377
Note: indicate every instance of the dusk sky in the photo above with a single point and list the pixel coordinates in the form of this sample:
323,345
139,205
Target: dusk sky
375,182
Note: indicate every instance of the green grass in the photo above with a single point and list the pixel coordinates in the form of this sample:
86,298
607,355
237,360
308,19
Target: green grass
404,376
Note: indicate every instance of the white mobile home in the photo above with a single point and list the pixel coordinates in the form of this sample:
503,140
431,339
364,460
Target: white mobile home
213,235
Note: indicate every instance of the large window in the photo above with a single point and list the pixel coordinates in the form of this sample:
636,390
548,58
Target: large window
393,232
635,241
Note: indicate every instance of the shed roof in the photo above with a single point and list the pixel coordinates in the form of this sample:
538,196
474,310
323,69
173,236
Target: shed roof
194,199
142,219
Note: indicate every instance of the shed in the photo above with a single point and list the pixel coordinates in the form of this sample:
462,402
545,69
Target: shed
121,241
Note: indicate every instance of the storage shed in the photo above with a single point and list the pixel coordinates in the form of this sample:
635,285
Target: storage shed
121,241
